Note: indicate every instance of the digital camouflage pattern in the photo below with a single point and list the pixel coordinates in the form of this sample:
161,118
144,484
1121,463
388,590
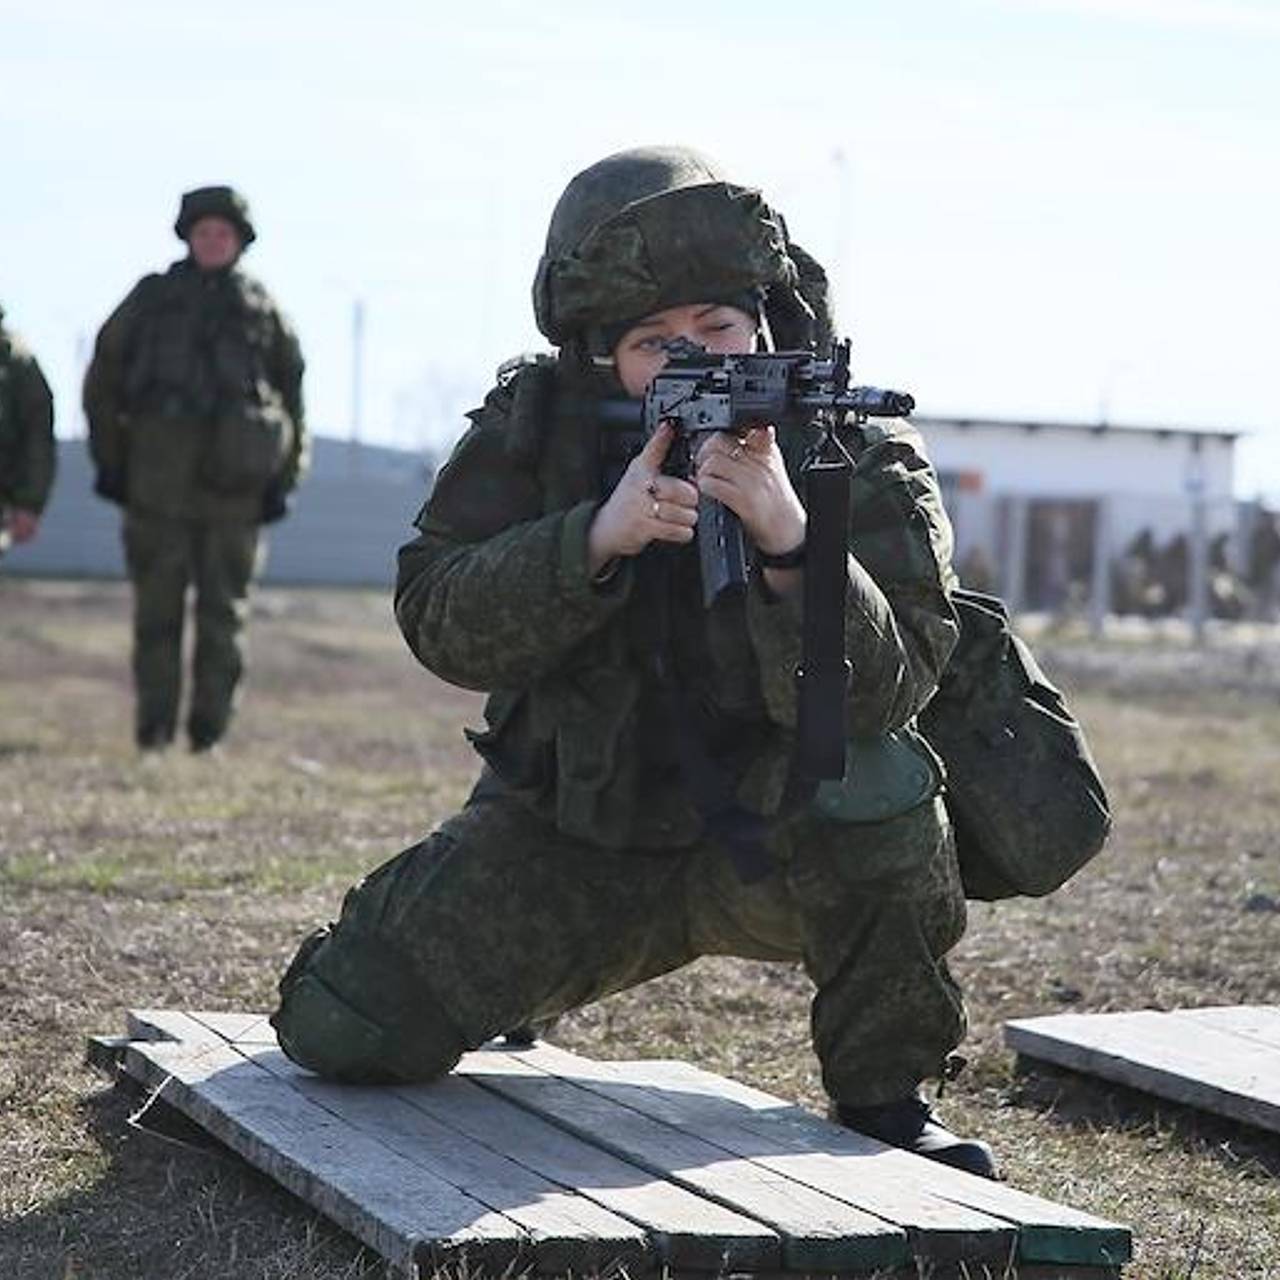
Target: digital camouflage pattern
584,851
197,428
497,918
494,595
581,865
28,453
658,227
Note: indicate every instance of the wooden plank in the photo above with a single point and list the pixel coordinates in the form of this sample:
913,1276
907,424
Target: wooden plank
238,1028
566,1231
818,1232
407,1214
1193,1063
686,1155
1260,1022
685,1231
866,1174
846,1164
168,1024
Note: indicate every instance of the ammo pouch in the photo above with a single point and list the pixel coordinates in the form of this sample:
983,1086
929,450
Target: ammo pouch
247,448
1028,806
884,778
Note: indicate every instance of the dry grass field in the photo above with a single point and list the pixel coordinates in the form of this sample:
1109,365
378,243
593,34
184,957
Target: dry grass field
187,881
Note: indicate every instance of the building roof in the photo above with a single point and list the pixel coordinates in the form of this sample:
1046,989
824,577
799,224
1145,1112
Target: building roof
1226,434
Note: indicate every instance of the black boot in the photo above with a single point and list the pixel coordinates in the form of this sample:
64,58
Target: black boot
910,1124
153,737
528,1033
203,733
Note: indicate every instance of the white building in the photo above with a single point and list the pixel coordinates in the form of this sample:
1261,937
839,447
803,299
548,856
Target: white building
1043,506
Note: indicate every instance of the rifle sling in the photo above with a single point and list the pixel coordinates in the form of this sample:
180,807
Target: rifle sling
822,679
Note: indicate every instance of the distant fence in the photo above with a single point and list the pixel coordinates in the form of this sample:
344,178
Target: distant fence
1096,558
352,512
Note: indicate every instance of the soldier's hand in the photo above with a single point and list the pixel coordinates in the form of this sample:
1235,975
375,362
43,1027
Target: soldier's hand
748,474
22,524
645,507
275,505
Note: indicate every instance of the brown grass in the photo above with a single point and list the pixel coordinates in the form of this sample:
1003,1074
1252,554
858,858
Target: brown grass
187,882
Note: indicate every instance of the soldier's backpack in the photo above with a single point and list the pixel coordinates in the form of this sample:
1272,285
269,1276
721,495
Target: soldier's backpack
1028,806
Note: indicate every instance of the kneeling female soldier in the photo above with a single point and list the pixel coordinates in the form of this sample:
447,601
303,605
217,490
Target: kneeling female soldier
639,745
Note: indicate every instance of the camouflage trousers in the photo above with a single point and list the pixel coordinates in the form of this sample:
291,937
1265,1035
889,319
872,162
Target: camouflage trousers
497,919
165,557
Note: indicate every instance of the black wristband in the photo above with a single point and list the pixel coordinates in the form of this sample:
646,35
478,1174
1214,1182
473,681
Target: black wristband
792,559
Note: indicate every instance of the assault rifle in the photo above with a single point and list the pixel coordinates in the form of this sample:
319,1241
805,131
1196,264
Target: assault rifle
698,392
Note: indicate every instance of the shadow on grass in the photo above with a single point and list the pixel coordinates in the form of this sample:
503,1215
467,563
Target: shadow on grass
1078,1101
174,1204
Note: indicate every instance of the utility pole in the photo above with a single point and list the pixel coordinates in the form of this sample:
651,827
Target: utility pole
83,353
842,283
357,382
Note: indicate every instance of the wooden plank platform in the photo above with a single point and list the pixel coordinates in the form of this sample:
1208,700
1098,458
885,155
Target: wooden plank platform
538,1159
1225,1059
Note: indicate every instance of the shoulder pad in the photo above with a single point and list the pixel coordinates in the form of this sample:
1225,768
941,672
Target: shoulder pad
510,370
155,284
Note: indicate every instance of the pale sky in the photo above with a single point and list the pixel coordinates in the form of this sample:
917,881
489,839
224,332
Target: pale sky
1052,209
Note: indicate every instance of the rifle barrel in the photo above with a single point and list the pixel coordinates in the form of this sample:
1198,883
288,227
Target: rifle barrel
621,413
875,402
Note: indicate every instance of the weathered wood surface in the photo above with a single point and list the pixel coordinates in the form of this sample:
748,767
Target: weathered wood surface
541,1159
1225,1060
950,1215
819,1233
407,1214
693,1233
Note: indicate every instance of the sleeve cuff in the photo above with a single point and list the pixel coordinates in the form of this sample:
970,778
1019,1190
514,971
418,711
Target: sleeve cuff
576,580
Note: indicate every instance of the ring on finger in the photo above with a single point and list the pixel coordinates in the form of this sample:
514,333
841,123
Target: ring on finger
737,451
652,488
653,511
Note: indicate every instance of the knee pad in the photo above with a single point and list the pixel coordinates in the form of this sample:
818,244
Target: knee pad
340,1018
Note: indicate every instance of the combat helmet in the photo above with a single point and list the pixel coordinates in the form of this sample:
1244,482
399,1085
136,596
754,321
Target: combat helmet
215,202
657,227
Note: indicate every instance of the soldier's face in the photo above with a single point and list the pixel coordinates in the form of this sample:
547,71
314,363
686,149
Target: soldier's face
214,243
721,329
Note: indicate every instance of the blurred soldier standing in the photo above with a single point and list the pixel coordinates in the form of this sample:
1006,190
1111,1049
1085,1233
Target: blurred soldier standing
196,428
27,453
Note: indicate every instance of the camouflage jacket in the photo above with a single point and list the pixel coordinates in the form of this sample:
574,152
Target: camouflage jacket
494,594
194,396
28,454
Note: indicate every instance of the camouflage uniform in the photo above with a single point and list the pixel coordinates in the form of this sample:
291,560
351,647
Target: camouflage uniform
582,863
196,427
28,455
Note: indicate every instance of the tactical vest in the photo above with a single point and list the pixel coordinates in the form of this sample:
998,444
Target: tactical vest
208,429
201,347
